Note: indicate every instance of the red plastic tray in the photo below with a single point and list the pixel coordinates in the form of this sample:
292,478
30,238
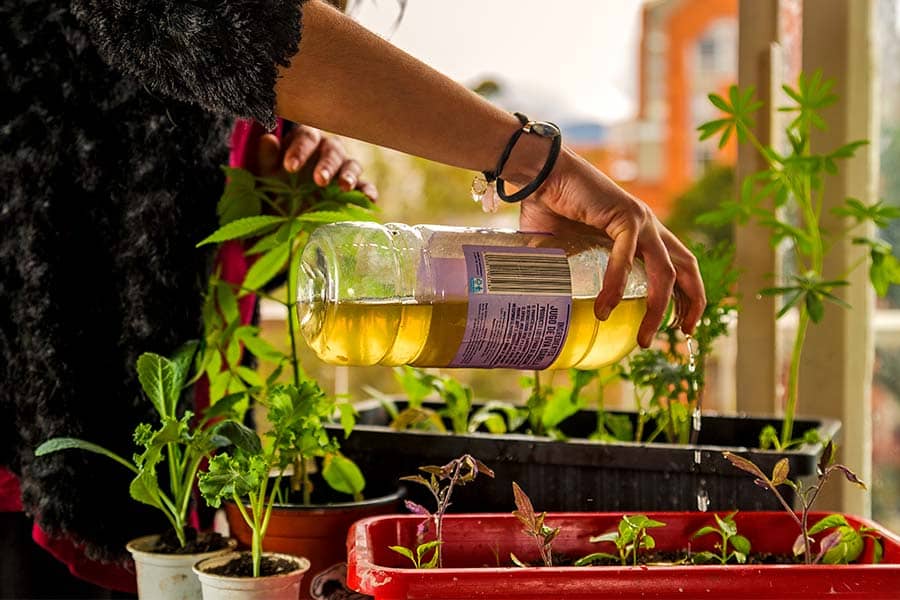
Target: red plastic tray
473,543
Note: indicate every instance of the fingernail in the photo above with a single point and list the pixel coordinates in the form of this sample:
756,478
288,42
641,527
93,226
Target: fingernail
325,175
602,313
293,164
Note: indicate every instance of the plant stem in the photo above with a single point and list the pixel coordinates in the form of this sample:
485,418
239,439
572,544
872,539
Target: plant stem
787,426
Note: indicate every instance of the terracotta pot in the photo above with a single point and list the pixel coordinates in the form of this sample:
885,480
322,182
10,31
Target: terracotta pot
317,532
168,576
284,586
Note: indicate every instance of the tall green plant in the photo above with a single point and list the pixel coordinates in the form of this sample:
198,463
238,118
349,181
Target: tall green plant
794,180
273,218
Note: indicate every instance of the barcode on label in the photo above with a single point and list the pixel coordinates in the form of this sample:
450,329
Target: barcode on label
542,274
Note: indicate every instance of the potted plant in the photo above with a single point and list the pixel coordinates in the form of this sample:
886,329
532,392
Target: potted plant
795,181
660,554
178,445
659,456
321,493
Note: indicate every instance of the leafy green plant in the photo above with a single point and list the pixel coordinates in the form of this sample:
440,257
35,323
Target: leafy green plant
630,539
418,559
794,180
549,406
838,545
440,482
274,219
726,529
457,398
534,527
668,386
297,415
178,444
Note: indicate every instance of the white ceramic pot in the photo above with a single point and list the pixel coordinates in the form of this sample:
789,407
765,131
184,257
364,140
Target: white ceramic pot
168,576
284,586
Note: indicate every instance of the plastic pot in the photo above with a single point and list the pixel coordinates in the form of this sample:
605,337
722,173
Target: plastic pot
284,586
474,543
168,576
580,474
317,532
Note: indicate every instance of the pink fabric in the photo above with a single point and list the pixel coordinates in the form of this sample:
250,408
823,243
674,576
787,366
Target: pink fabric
234,265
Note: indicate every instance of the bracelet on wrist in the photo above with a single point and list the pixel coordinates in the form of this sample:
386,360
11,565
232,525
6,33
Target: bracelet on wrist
489,185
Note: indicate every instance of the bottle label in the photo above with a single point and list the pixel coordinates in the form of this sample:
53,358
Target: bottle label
520,304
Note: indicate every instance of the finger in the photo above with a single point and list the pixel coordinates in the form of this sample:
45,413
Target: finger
621,258
301,144
368,189
268,150
660,281
331,157
348,175
690,296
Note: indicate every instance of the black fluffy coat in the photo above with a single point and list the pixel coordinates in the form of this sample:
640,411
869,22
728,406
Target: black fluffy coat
113,123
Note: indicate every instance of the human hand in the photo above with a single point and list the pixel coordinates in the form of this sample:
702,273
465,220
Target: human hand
578,199
306,148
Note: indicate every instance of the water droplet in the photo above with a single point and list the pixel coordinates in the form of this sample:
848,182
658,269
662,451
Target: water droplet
698,456
702,500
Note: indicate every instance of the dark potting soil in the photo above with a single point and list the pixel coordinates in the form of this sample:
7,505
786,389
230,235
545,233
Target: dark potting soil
197,543
242,566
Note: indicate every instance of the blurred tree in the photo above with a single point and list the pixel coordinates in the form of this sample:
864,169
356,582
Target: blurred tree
707,193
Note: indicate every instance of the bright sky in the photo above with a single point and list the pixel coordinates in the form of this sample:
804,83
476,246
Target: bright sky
573,58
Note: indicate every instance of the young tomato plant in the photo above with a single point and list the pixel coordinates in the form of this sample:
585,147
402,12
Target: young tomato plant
175,443
794,180
726,529
242,473
630,539
441,482
534,527
837,545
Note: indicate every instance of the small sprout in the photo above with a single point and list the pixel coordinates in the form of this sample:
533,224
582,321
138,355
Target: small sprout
440,483
843,545
421,550
630,539
534,526
727,530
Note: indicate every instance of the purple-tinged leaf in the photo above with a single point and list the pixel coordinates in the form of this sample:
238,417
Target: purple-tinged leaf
525,508
830,541
483,469
827,456
850,475
799,547
416,479
780,472
744,464
416,509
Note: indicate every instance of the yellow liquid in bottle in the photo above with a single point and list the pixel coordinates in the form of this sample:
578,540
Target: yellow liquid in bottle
429,335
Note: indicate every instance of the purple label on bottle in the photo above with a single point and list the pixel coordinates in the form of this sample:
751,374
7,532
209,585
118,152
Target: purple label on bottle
519,307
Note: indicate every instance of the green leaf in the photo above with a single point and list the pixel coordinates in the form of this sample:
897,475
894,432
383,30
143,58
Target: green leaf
828,522
594,557
423,549
240,198
740,543
611,536
240,435
257,346
559,407
227,302
348,417
223,407
243,228
159,380
267,267
68,443
251,377
343,475
704,531
769,438
404,551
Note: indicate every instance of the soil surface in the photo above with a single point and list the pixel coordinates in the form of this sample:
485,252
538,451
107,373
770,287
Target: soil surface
677,558
197,543
242,566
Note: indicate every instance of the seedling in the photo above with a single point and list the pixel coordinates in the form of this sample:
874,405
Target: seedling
297,415
418,559
630,540
495,416
441,482
726,529
534,527
839,541
176,441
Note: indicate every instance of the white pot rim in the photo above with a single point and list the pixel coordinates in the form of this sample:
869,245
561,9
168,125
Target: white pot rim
302,565
137,548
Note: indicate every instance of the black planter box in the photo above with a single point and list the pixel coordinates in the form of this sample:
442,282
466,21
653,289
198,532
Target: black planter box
582,475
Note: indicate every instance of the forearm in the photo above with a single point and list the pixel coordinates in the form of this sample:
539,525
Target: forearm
391,99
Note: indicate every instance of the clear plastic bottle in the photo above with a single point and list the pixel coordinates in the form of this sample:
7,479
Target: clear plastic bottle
436,296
